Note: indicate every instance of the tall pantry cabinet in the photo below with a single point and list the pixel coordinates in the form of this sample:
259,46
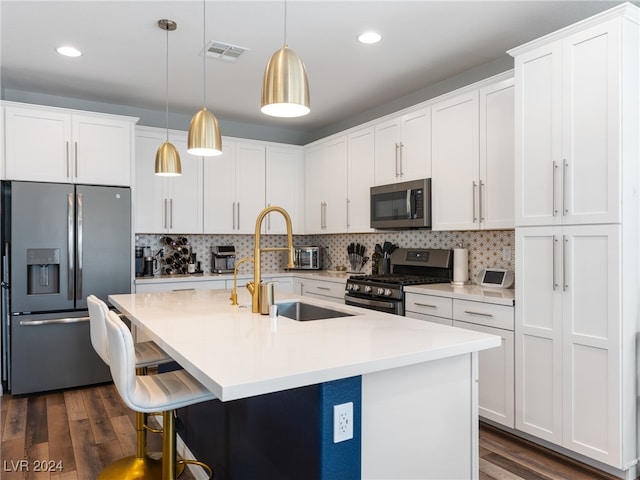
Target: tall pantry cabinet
577,241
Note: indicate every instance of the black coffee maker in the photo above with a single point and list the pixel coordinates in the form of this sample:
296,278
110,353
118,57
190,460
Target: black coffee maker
139,261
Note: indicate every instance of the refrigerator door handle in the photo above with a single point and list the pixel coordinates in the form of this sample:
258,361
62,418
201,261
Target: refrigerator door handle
54,321
79,219
71,257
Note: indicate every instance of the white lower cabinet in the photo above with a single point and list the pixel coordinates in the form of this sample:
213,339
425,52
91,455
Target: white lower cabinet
568,329
429,307
330,290
495,366
177,286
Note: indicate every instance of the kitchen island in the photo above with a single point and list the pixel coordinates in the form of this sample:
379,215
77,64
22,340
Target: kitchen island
412,383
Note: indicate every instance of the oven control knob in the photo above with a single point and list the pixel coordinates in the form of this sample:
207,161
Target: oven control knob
367,289
387,292
355,288
380,291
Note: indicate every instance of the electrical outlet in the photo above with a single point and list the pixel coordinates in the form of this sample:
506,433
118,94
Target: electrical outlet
342,422
506,254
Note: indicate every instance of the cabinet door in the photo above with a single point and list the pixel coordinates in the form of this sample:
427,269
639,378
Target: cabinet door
455,167
387,155
149,188
219,178
101,150
184,193
495,376
496,194
45,160
361,176
538,332
314,188
336,172
538,142
250,185
591,334
415,145
590,131
285,172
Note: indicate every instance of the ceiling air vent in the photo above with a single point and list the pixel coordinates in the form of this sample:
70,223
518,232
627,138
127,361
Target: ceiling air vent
224,51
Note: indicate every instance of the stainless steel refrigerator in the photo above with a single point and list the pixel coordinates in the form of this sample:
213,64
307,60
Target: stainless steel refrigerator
61,243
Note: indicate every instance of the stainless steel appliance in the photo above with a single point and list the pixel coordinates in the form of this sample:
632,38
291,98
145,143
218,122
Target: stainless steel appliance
61,243
223,259
409,266
307,258
401,205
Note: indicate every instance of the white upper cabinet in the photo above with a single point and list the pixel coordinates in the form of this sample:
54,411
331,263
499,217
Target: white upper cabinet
166,204
568,129
234,187
473,161
403,147
284,187
71,146
360,179
326,170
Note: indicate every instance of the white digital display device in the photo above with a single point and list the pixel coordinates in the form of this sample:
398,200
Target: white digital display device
496,277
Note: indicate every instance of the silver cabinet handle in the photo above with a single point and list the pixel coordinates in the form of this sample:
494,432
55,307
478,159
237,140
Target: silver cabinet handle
424,305
68,161
482,314
348,213
71,260
75,161
473,201
233,216
565,168
554,208
238,212
554,246
565,242
323,288
79,227
182,289
480,206
397,148
164,214
171,213
401,159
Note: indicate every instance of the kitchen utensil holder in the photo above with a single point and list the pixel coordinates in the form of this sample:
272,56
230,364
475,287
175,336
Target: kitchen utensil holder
356,262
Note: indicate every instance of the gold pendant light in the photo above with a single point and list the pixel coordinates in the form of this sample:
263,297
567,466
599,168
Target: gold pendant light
285,88
167,157
204,137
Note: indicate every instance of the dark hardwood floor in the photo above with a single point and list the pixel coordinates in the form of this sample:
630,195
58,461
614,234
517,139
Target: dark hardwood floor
75,433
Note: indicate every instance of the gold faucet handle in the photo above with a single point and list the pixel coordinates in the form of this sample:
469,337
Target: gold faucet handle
251,286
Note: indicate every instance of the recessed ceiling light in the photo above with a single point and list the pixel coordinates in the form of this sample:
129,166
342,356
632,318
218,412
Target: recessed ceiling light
68,51
369,37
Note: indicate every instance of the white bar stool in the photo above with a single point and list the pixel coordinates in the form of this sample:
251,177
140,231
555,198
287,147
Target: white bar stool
163,392
139,466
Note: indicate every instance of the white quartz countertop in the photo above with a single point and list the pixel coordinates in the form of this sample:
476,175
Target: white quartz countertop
238,354
331,275
476,293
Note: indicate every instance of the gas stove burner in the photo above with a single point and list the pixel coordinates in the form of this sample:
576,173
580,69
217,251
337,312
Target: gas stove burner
399,279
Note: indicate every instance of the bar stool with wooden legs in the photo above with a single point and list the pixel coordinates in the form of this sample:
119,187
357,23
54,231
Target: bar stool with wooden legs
147,354
164,392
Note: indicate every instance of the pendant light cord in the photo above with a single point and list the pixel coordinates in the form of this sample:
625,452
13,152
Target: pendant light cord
204,52
167,83
285,22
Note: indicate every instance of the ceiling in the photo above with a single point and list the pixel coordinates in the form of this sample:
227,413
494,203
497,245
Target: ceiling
124,51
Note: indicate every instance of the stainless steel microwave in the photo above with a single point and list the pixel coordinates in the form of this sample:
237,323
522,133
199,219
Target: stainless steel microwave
308,258
401,205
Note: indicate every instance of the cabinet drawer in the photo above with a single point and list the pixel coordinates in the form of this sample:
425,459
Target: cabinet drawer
324,289
429,305
498,316
430,318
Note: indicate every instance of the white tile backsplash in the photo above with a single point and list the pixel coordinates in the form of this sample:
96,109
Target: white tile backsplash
486,248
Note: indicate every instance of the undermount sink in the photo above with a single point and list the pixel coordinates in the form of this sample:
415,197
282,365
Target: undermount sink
305,311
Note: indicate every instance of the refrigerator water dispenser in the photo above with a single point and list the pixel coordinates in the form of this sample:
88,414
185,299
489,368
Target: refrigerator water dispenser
43,271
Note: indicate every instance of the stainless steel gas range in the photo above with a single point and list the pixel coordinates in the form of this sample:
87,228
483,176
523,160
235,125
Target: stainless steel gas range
409,266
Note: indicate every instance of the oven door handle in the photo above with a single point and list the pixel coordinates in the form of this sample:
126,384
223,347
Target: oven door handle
368,302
